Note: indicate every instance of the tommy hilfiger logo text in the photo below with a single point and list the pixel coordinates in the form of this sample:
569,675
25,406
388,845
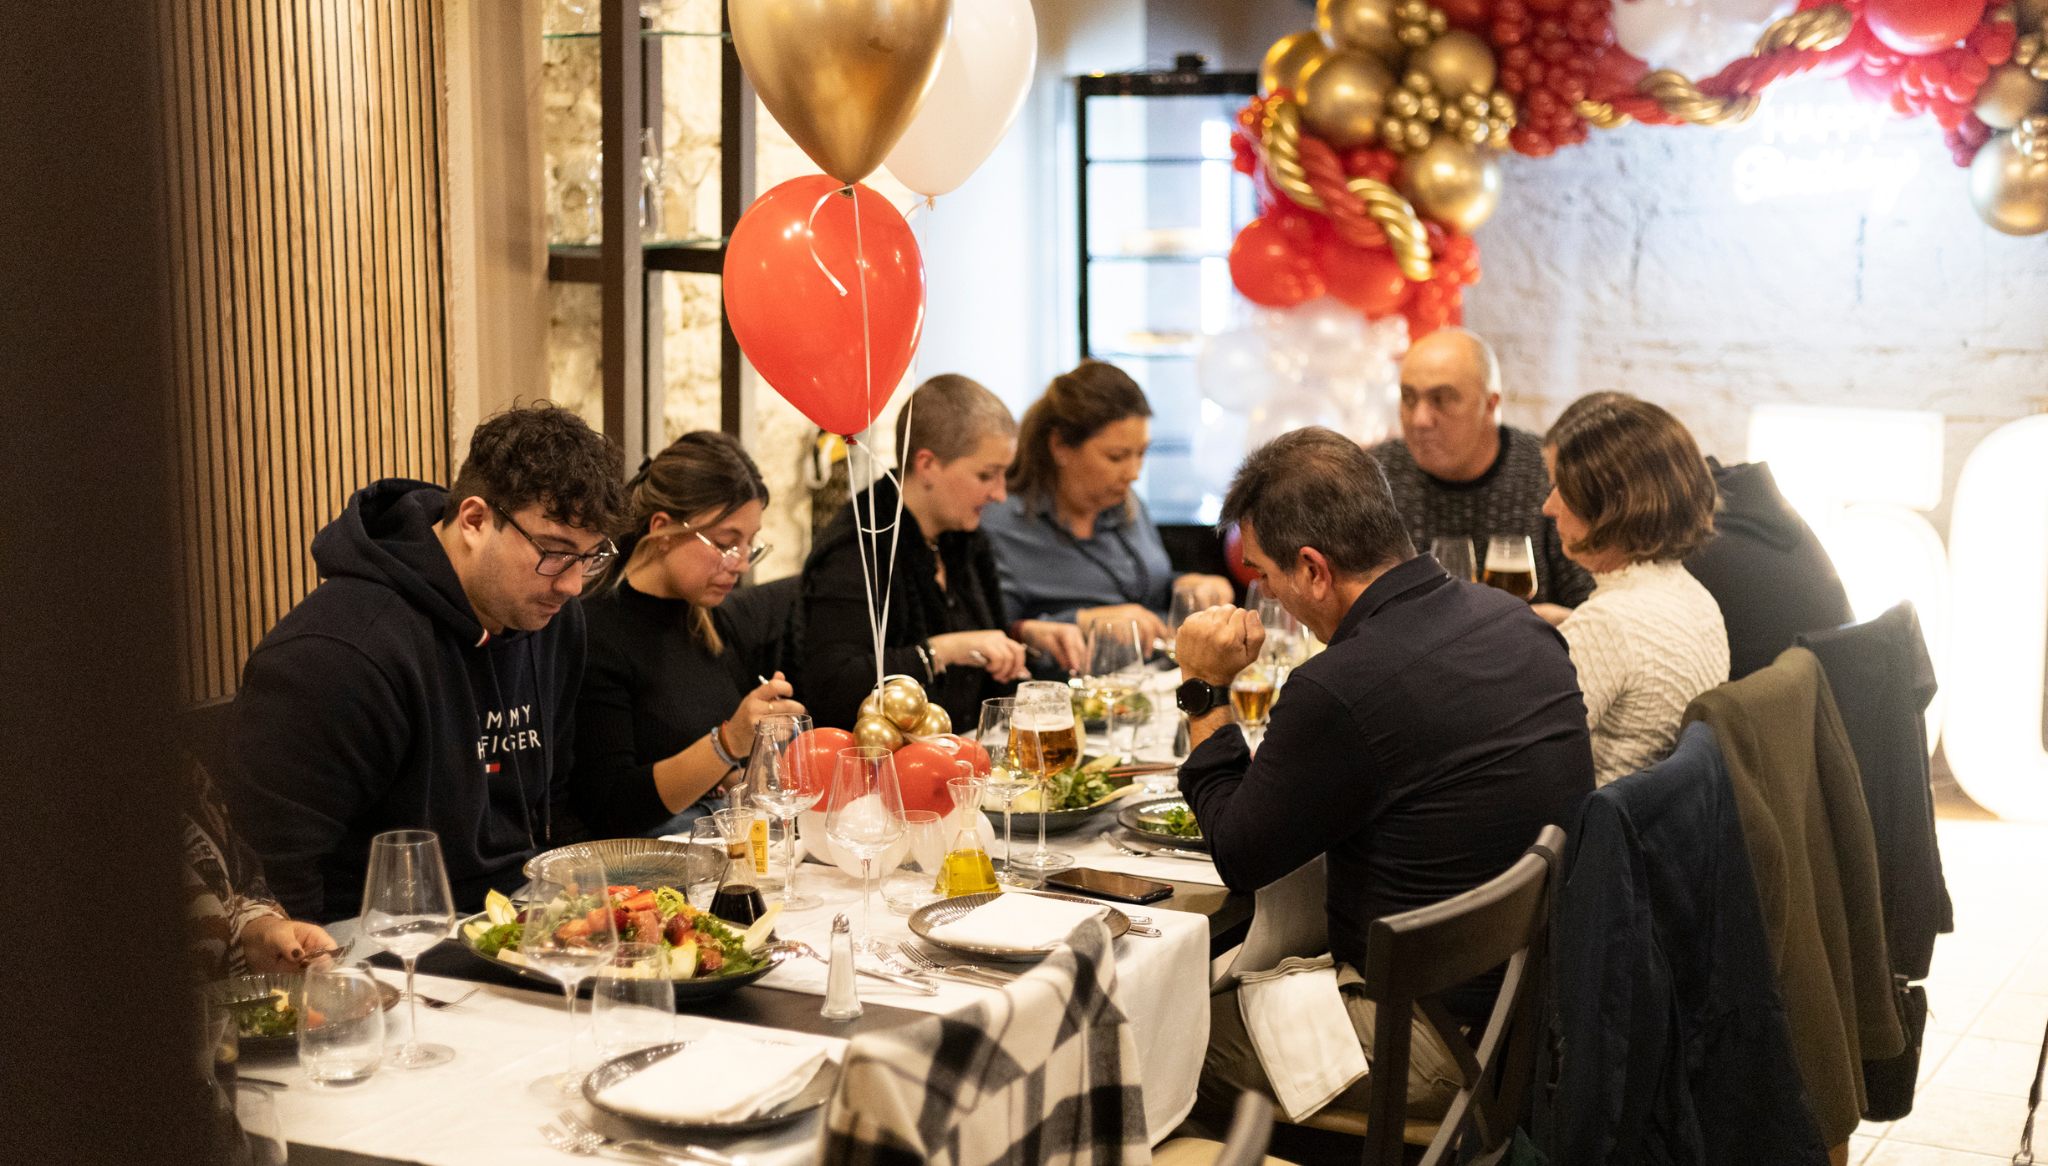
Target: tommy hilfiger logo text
509,731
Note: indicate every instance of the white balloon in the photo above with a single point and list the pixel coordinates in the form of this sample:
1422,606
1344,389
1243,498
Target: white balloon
1219,450
1653,29
1290,411
983,76
811,823
1234,369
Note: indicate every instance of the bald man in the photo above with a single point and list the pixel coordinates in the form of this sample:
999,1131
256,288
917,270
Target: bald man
1457,471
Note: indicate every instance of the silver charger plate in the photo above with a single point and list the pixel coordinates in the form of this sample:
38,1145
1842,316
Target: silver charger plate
1142,819
642,862
814,1094
236,989
947,910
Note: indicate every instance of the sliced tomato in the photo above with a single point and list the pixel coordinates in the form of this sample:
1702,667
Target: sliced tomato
644,901
622,892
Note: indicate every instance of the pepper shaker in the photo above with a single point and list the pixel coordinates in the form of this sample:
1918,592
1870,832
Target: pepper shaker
842,999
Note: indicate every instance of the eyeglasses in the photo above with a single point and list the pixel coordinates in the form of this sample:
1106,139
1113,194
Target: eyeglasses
554,563
737,558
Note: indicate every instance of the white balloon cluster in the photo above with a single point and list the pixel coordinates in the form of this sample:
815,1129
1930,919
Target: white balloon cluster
1321,363
1695,37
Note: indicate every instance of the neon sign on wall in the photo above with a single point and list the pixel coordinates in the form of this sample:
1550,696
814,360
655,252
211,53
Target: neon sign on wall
1828,148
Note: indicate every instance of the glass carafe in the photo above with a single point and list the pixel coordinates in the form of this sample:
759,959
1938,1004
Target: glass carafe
967,869
738,900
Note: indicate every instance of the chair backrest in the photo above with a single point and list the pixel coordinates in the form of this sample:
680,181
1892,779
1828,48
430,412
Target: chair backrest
1289,918
1414,957
1251,1131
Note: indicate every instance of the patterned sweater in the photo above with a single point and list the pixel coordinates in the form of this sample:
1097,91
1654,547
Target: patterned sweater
1506,499
1647,641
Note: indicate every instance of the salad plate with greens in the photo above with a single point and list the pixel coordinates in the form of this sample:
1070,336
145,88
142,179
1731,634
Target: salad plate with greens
1076,797
1165,821
706,955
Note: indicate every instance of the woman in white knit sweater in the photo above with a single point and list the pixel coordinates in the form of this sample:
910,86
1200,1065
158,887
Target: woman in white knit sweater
1632,496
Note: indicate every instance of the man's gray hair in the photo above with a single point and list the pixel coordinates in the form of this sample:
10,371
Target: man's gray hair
1482,354
1312,487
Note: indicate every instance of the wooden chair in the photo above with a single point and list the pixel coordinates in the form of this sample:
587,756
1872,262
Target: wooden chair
1251,1130
1414,957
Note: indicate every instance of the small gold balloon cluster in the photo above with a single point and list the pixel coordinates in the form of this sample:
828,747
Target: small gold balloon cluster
2031,53
2030,138
1417,112
1417,22
898,713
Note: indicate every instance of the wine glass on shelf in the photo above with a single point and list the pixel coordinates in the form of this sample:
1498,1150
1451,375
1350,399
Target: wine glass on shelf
1005,780
568,934
407,908
1044,739
866,817
1116,667
1511,565
779,773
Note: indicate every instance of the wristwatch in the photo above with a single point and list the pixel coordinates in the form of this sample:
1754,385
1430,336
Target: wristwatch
1195,696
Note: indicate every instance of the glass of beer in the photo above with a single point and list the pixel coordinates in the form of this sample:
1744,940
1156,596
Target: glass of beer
1511,565
1455,556
1251,694
1044,739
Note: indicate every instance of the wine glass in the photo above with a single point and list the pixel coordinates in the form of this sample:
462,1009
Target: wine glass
779,775
1044,739
1511,565
1251,694
1184,605
407,908
1005,780
1285,644
1455,556
1116,667
569,935
866,817
632,1001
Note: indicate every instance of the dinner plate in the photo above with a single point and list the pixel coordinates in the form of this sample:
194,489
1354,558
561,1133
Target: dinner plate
1142,819
1024,823
239,988
641,862
947,910
686,990
813,1095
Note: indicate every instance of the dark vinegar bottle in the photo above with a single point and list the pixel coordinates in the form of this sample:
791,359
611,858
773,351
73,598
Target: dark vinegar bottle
738,904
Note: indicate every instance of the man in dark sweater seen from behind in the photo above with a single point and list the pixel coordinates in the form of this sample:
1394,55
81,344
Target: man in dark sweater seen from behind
1457,472
429,681
1421,752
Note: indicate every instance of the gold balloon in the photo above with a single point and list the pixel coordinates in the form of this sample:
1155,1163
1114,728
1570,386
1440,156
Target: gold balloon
877,733
1343,96
1451,182
935,722
844,77
903,703
2009,189
1457,63
2029,14
1286,60
1365,26
871,705
2010,94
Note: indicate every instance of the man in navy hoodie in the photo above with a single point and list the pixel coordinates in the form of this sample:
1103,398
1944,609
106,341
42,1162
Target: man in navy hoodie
429,681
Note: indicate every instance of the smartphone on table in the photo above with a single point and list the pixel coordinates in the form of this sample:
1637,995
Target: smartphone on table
1105,884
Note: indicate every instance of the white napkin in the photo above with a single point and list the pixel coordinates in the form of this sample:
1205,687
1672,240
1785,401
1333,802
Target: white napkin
1018,921
1302,1033
717,1078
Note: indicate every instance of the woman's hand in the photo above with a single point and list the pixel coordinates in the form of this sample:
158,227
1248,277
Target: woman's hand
993,650
1208,590
1062,641
274,943
1150,626
768,700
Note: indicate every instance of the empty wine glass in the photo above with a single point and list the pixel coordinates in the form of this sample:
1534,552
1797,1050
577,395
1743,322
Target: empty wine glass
1005,780
569,935
1184,605
407,909
866,817
779,774
1044,739
1455,556
1116,668
632,1001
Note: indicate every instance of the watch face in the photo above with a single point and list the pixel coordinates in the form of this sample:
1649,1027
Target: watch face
1195,697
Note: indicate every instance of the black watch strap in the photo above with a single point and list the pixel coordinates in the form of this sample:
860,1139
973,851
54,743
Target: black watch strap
1196,696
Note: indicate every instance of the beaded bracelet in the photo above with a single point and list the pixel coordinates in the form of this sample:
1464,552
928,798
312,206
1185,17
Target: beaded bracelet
718,747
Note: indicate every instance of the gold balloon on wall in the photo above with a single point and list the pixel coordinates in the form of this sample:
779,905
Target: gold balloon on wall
1457,63
903,703
877,733
844,77
1342,97
2009,180
1451,182
935,722
2009,94
1286,60
1365,26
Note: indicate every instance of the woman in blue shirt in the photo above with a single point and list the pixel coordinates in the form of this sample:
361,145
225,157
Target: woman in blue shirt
1072,542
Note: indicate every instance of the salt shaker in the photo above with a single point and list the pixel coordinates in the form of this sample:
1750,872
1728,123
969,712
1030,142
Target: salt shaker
842,1000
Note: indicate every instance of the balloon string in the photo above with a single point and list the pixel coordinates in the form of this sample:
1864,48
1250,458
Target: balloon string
867,354
810,229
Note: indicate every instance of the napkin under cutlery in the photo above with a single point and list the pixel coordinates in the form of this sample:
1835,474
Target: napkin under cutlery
1016,921
716,1079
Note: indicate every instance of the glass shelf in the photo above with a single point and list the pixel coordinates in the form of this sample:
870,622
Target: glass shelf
705,244
1167,257
1170,161
1187,352
646,33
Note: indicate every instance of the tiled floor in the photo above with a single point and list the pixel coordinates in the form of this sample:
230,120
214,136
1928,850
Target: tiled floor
1987,1003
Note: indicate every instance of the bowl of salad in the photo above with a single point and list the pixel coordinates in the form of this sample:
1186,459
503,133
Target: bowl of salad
1166,821
707,956
1076,796
266,1008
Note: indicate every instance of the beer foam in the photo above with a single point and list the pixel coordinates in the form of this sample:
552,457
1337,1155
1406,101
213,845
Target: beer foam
1042,721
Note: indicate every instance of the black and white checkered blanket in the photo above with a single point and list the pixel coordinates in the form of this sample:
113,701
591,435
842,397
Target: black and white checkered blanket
1047,1072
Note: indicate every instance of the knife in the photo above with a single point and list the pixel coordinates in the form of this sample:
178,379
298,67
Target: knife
1171,852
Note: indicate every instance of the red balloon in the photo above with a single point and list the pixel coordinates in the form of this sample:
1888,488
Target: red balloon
1367,280
1268,266
808,341
1233,556
1919,27
924,767
818,753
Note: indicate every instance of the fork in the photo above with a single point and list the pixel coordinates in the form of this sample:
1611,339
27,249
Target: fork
591,1144
584,1135
440,1004
882,956
972,973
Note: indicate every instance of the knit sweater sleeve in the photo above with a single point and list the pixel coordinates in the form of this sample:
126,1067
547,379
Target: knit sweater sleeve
1599,644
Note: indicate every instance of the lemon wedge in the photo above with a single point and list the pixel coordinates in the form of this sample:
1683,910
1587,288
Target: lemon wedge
498,908
756,937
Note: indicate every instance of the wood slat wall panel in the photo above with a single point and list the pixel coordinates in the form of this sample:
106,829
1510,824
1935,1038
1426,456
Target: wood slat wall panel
307,182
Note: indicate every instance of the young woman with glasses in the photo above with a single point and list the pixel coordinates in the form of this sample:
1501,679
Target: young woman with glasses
668,707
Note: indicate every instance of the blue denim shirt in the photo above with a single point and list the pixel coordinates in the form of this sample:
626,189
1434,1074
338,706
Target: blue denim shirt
1047,573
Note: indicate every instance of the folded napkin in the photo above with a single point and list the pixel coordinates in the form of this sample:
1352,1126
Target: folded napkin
1017,921
1296,1018
717,1078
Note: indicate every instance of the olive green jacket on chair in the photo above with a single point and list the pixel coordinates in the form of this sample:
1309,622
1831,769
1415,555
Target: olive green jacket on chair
1808,832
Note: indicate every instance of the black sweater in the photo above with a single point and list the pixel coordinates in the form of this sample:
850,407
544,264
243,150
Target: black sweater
380,703
650,690
1766,569
839,664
